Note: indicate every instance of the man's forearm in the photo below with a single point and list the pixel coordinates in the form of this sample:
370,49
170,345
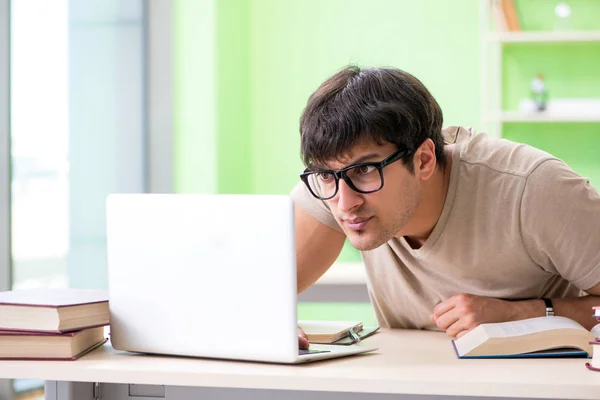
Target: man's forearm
576,308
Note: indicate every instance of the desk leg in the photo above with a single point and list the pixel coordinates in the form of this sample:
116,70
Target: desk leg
6,389
61,390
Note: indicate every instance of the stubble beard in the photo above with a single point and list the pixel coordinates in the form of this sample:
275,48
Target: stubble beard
380,231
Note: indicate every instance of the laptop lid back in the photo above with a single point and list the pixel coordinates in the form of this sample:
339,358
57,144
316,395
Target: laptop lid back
203,275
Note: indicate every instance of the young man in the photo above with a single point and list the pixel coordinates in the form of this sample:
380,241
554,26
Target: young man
455,228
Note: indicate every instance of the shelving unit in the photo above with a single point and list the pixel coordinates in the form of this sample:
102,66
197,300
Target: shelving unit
516,116
493,44
543,37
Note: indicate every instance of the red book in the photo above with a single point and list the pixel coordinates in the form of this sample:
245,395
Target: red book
53,310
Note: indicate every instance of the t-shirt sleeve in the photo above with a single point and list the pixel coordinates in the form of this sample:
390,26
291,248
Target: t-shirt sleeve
315,207
560,223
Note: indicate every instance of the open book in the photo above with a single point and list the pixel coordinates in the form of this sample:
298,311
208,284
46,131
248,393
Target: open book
335,332
535,337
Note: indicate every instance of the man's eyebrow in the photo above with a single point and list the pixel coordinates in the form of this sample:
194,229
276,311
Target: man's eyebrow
366,158
361,159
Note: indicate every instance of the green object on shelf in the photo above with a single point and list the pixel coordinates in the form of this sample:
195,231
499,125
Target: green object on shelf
539,92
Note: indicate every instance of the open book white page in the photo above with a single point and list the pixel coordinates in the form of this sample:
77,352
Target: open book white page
527,326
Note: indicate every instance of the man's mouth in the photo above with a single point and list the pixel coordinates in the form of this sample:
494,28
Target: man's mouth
356,224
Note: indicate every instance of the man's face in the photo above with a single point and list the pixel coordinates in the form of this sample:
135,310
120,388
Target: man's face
370,220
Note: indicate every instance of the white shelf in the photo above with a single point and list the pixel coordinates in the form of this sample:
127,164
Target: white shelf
544,37
492,44
515,116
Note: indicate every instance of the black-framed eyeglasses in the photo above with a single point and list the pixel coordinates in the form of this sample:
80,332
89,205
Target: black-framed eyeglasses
362,178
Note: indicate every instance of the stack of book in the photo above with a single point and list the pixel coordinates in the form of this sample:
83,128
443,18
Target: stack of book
594,364
52,324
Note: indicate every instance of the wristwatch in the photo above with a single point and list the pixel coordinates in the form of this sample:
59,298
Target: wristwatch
549,308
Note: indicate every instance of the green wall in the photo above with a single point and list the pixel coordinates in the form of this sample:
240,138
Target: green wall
245,68
234,160
338,311
295,45
194,88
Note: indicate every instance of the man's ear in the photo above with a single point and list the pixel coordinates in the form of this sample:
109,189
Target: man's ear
424,160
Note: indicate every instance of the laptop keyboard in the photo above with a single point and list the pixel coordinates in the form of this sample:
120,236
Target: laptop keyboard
303,352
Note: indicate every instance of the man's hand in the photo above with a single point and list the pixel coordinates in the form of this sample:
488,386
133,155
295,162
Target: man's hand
463,312
302,339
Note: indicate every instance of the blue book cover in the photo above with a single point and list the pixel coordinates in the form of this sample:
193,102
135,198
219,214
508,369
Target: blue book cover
554,353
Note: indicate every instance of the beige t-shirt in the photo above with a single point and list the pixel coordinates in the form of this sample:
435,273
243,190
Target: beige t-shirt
517,223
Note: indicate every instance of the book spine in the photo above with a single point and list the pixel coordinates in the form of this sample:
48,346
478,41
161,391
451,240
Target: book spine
499,17
53,332
512,18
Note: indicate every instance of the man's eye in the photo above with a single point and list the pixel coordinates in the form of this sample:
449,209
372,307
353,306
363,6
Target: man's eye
364,169
325,176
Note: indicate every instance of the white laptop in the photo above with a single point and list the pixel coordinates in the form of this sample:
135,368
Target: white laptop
206,276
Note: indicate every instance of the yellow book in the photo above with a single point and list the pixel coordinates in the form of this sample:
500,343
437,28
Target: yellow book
335,332
511,15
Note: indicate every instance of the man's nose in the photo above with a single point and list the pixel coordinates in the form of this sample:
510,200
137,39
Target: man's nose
348,198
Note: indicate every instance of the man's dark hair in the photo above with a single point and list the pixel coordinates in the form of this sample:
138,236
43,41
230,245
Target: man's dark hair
379,104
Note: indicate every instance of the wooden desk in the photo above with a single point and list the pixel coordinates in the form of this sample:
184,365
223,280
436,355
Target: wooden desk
408,363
